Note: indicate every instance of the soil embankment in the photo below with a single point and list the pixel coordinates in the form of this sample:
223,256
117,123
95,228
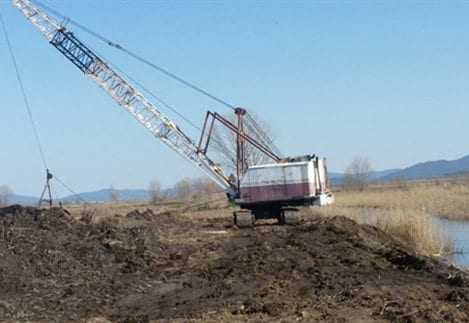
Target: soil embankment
145,266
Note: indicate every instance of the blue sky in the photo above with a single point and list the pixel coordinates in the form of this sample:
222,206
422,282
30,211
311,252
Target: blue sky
387,80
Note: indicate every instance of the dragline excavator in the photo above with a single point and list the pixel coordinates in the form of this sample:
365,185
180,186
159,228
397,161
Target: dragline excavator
269,191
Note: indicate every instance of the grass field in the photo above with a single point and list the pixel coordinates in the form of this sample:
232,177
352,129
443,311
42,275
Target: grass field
406,210
444,199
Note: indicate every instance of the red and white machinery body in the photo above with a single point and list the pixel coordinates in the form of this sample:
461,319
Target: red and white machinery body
302,182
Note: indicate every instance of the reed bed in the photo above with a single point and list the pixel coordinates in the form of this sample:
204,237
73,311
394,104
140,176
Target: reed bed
406,211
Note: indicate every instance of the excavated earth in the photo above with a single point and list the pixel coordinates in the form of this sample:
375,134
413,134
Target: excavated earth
149,266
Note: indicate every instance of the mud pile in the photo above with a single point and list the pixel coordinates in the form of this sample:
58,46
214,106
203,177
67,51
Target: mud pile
55,268
336,270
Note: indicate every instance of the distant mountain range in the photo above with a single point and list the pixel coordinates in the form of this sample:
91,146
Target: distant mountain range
337,178
107,195
426,170
104,195
431,169
24,200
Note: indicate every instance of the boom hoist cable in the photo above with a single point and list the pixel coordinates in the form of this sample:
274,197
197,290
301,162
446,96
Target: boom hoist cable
259,132
46,195
143,60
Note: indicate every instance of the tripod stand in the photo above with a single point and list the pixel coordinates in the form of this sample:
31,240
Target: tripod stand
46,190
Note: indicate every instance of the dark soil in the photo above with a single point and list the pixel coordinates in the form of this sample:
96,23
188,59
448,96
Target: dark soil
143,267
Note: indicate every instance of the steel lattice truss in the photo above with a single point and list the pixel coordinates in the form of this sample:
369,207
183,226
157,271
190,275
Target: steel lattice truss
121,91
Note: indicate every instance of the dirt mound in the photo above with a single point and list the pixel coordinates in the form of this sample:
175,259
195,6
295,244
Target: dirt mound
328,270
55,268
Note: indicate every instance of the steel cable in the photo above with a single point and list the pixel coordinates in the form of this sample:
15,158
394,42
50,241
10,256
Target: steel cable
78,196
137,57
28,107
23,93
260,132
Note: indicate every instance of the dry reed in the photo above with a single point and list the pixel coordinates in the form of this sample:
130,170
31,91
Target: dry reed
406,211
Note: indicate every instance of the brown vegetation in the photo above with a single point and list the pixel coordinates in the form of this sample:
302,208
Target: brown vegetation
446,199
195,189
406,210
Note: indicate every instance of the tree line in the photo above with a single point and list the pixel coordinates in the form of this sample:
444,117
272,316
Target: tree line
184,189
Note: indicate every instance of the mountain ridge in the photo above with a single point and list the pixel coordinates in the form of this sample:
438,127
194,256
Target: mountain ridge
431,169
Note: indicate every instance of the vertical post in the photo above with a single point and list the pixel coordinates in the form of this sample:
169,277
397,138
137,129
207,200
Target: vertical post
49,177
241,164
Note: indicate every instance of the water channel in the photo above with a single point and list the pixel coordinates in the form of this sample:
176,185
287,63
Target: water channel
458,232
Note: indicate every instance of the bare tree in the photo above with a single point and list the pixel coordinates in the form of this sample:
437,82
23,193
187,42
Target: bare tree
156,193
115,196
5,195
183,188
204,186
357,174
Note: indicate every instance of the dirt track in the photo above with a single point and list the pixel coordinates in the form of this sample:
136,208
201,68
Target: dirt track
144,267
